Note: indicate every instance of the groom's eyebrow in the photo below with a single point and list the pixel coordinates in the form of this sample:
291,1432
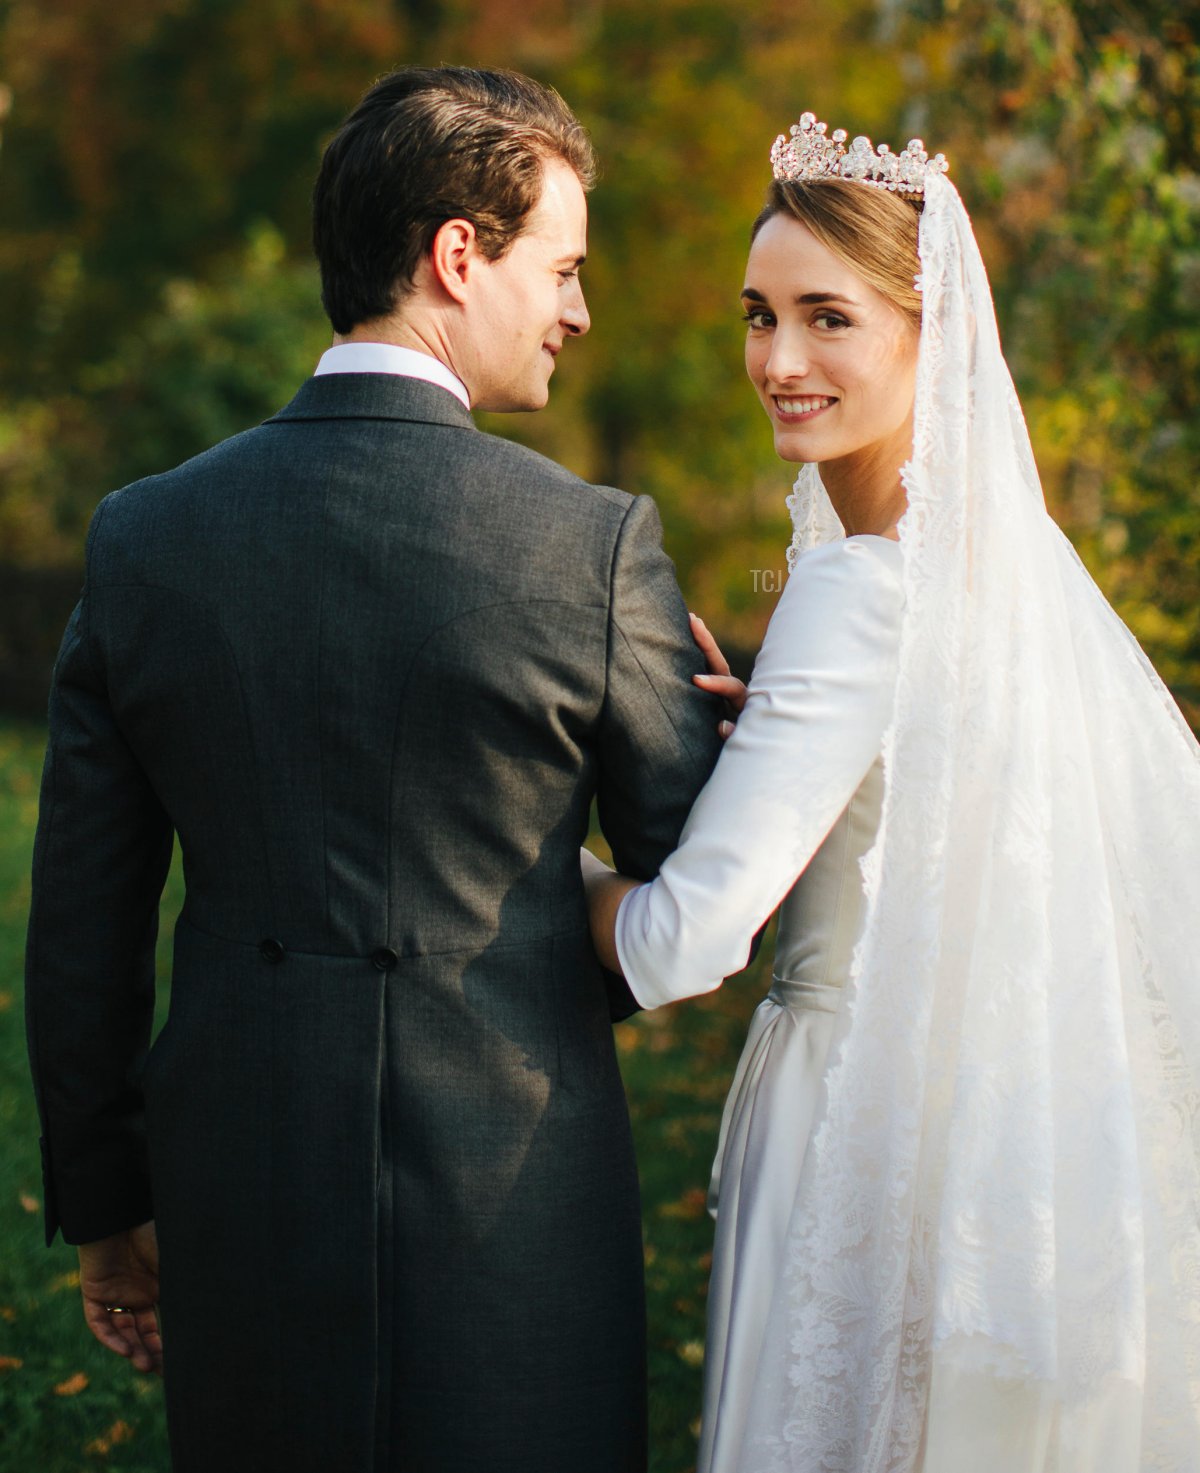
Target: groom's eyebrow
575,261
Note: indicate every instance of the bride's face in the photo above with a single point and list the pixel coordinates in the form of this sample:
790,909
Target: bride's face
834,361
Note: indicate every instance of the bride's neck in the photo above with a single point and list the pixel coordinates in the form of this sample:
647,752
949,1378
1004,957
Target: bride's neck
865,487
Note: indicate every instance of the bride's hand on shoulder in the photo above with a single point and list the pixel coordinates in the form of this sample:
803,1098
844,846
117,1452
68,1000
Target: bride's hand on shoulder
718,681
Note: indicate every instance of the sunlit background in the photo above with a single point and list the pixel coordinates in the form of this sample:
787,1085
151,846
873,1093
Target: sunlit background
157,293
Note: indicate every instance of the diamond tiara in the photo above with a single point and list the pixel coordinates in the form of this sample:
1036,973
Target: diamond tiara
809,154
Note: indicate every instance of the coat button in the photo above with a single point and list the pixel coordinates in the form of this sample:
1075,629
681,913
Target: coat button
384,959
271,950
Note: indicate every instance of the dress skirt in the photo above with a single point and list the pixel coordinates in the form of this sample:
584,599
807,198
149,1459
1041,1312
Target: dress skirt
758,1163
974,1419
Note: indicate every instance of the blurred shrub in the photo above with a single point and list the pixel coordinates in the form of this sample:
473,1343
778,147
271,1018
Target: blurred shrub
156,292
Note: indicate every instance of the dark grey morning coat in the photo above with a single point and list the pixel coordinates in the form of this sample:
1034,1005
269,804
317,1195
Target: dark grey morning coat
371,665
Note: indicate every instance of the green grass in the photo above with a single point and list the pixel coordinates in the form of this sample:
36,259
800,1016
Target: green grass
67,1406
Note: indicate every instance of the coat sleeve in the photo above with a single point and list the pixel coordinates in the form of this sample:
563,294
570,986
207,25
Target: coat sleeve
658,732
101,855
819,701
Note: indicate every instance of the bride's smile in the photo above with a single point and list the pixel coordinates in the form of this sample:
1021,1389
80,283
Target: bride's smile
793,409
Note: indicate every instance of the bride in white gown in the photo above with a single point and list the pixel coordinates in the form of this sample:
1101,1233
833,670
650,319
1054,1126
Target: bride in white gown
958,1195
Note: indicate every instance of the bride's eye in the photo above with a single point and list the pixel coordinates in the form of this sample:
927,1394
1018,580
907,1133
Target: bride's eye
758,317
832,321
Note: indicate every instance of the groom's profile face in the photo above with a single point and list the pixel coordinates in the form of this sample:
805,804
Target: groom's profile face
530,300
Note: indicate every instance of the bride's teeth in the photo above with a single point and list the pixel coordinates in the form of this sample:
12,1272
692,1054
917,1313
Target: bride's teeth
802,406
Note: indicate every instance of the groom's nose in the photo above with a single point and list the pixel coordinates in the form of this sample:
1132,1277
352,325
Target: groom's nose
575,318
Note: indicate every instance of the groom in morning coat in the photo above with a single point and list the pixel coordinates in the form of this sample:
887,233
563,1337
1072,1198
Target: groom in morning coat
371,665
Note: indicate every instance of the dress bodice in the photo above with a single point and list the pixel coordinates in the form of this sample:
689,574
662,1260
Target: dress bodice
819,921
796,792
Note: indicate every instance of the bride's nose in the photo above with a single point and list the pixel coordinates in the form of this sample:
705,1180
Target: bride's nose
788,359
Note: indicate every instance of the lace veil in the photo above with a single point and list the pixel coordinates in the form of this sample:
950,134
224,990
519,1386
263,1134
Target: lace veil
1000,1208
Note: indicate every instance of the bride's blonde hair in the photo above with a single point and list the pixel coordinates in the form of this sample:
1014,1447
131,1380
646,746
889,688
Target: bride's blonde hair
873,231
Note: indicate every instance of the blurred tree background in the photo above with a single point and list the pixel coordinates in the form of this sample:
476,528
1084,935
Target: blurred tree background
158,291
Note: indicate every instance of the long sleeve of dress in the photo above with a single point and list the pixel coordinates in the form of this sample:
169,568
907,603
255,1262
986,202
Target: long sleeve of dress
819,702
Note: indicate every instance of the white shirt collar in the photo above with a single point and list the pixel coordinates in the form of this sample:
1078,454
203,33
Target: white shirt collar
391,358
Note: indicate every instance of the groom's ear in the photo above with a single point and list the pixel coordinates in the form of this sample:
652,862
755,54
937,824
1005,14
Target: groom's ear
453,255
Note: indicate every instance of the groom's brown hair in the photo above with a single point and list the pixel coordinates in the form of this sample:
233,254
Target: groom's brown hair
427,145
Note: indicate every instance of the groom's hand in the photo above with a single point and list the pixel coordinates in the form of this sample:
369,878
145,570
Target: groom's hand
718,681
118,1278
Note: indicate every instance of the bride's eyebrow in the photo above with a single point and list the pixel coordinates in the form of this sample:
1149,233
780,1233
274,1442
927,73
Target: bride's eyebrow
809,299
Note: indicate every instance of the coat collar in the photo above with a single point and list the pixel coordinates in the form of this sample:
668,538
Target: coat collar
375,396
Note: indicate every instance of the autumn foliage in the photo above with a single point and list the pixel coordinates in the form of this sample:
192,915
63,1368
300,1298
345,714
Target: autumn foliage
158,291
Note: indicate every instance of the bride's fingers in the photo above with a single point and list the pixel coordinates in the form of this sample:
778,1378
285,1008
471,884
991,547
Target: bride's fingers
709,648
729,687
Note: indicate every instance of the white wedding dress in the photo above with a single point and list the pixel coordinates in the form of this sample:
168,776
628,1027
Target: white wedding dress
804,756
959,1199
